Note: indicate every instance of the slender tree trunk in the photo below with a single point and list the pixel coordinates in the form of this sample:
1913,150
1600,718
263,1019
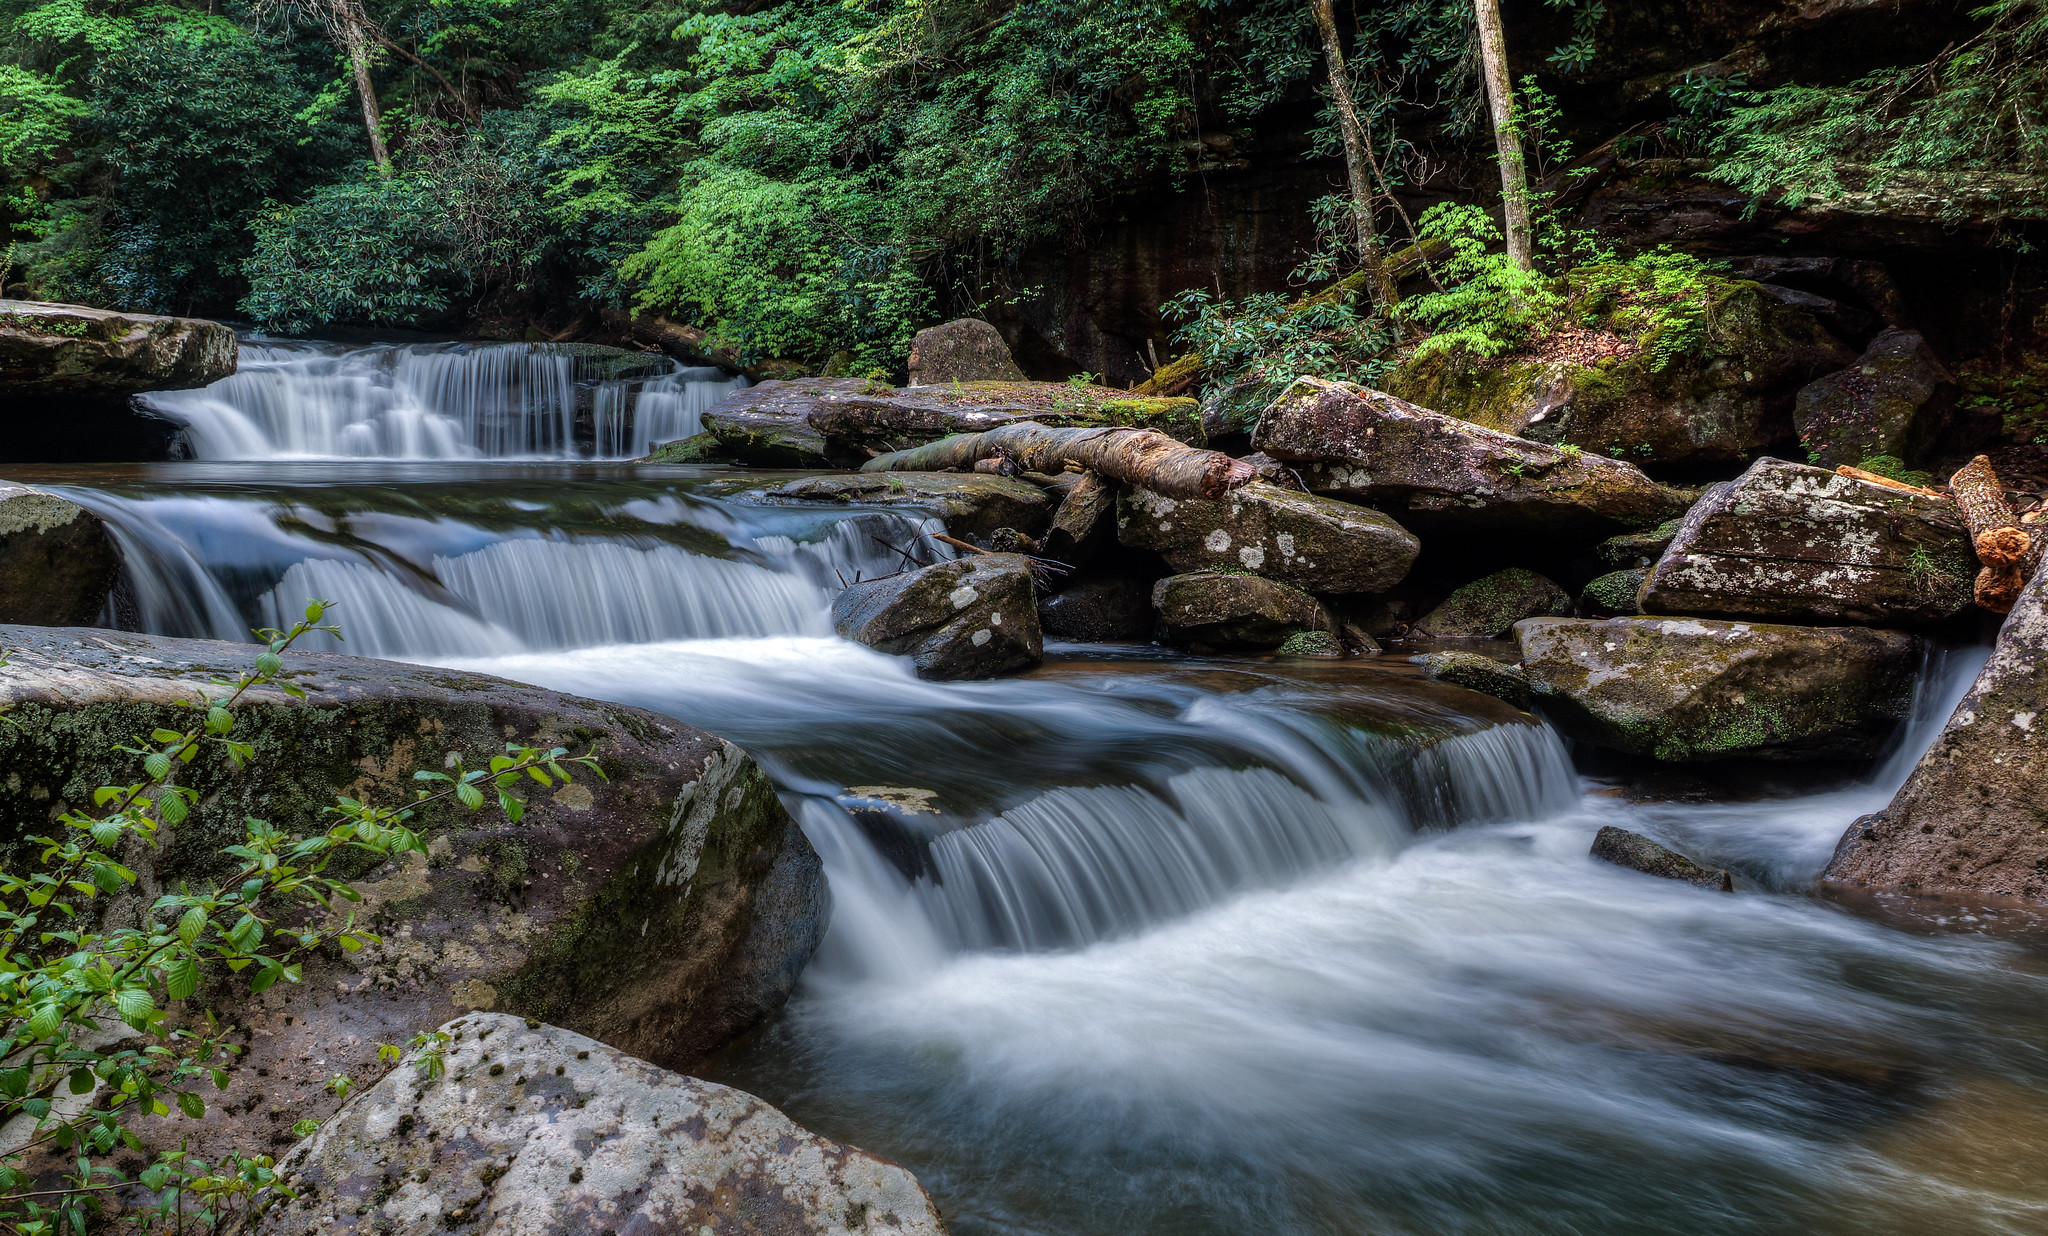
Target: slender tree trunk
357,42
1357,161
1500,97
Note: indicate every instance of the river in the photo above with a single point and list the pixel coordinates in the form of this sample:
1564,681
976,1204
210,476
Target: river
1142,943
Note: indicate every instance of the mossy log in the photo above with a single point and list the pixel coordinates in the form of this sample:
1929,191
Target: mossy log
2002,545
1142,457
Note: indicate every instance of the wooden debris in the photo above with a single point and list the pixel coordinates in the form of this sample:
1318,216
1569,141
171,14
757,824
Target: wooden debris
1858,474
1135,456
2002,545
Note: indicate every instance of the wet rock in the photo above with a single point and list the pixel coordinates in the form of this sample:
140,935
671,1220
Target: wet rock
51,351
768,424
1612,595
1789,543
1476,672
1099,608
1683,689
1442,476
972,504
57,560
537,1130
963,350
1300,539
1320,645
1969,819
703,448
1896,399
1212,609
1637,852
969,618
1487,608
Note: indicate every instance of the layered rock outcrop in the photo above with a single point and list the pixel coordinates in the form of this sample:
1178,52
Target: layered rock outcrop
973,617
69,352
971,504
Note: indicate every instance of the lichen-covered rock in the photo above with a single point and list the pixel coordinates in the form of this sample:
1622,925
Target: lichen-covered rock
963,350
1896,399
1612,595
1476,672
1684,689
972,504
1637,852
1212,609
1112,605
1487,608
69,351
973,617
1440,475
1789,543
1311,542
1969,820
57,560
536,1131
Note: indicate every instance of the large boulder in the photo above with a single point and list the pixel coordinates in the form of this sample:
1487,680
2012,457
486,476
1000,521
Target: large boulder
50,351
972,504
1476,672
972,617
1311,542
538,1131
1683,689
768,424
1441,475
1487,608
1969,820
666,909
57,560
1213,610
963,350
1789,543
1896,399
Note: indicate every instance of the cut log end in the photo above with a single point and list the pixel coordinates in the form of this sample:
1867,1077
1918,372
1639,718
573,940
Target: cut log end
2003,547
1999,589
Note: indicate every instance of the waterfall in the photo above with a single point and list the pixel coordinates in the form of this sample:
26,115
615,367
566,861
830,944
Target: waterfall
630,422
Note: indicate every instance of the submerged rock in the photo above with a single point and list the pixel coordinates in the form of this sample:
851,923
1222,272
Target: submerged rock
1684,689
1476,672
1212,609
963,350
538,1131
973,617
1789,543
1969,820
1098,608
1311,542
1442,476
1637,852
1487,608
972,504
57,560
1896,399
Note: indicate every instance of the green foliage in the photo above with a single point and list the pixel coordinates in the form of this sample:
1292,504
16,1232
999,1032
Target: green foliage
1661,300
1488,306
1895,468
1254,347
92,1047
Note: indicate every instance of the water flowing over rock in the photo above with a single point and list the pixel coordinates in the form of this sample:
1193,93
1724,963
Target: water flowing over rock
57,562
963,350
1440,475
1637,852
972,504
1478,672
973,617
1688,689
1789,543
1968,821
1896,399
537,1131
1212,609
1487,608
1311,542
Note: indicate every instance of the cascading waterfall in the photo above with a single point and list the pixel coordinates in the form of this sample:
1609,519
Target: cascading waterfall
633,421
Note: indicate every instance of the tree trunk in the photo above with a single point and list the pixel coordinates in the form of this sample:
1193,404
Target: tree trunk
1357,161
1143,457
357,42
2002,545
1514,173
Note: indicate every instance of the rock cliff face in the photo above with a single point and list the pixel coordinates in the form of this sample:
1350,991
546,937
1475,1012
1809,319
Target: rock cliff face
68,373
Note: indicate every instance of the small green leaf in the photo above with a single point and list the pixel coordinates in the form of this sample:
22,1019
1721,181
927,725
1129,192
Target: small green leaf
191,1104
181,978
268,664
470,796
219,720
157,765
191,923
81,1081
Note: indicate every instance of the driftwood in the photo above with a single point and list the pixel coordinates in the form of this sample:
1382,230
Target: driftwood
1134,456
1089,500
1874,478
2002,545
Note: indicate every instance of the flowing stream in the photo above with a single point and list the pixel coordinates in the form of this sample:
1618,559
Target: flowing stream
1140,943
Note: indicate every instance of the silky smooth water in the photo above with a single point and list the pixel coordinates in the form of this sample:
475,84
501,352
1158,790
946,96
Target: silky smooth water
1143,943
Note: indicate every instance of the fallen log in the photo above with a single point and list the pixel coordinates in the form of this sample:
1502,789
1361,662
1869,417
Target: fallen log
2002,544
1143,457
1878,478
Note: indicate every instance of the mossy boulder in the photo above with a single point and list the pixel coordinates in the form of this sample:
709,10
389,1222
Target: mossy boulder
1638,853
57,560
1637,549
1486,608
972,504
1788,543
51,351
1318,645
963,350
767,424
972,617
1211,609
1476,672
1312,542
1897,399
1686,689
702,448
1613,594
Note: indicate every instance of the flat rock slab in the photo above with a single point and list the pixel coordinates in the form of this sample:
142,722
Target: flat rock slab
1684,689
1788,543
1970,819
972,504
973,617
71,351
537,1131
57,560
1437,474
1212,609
1638,853
1487,608
1317,543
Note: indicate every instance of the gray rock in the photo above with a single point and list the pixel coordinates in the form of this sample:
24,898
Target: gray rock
1442,476
1487,608
1301,539
1637,852
973,617
1613,595
1789,543
1476,672
57,561
1896,399
972,504
1099,608
1633,550
1213,609
963,350
702,448
1684,689
768,424
541,1132
1969,819
69,351
1318,645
